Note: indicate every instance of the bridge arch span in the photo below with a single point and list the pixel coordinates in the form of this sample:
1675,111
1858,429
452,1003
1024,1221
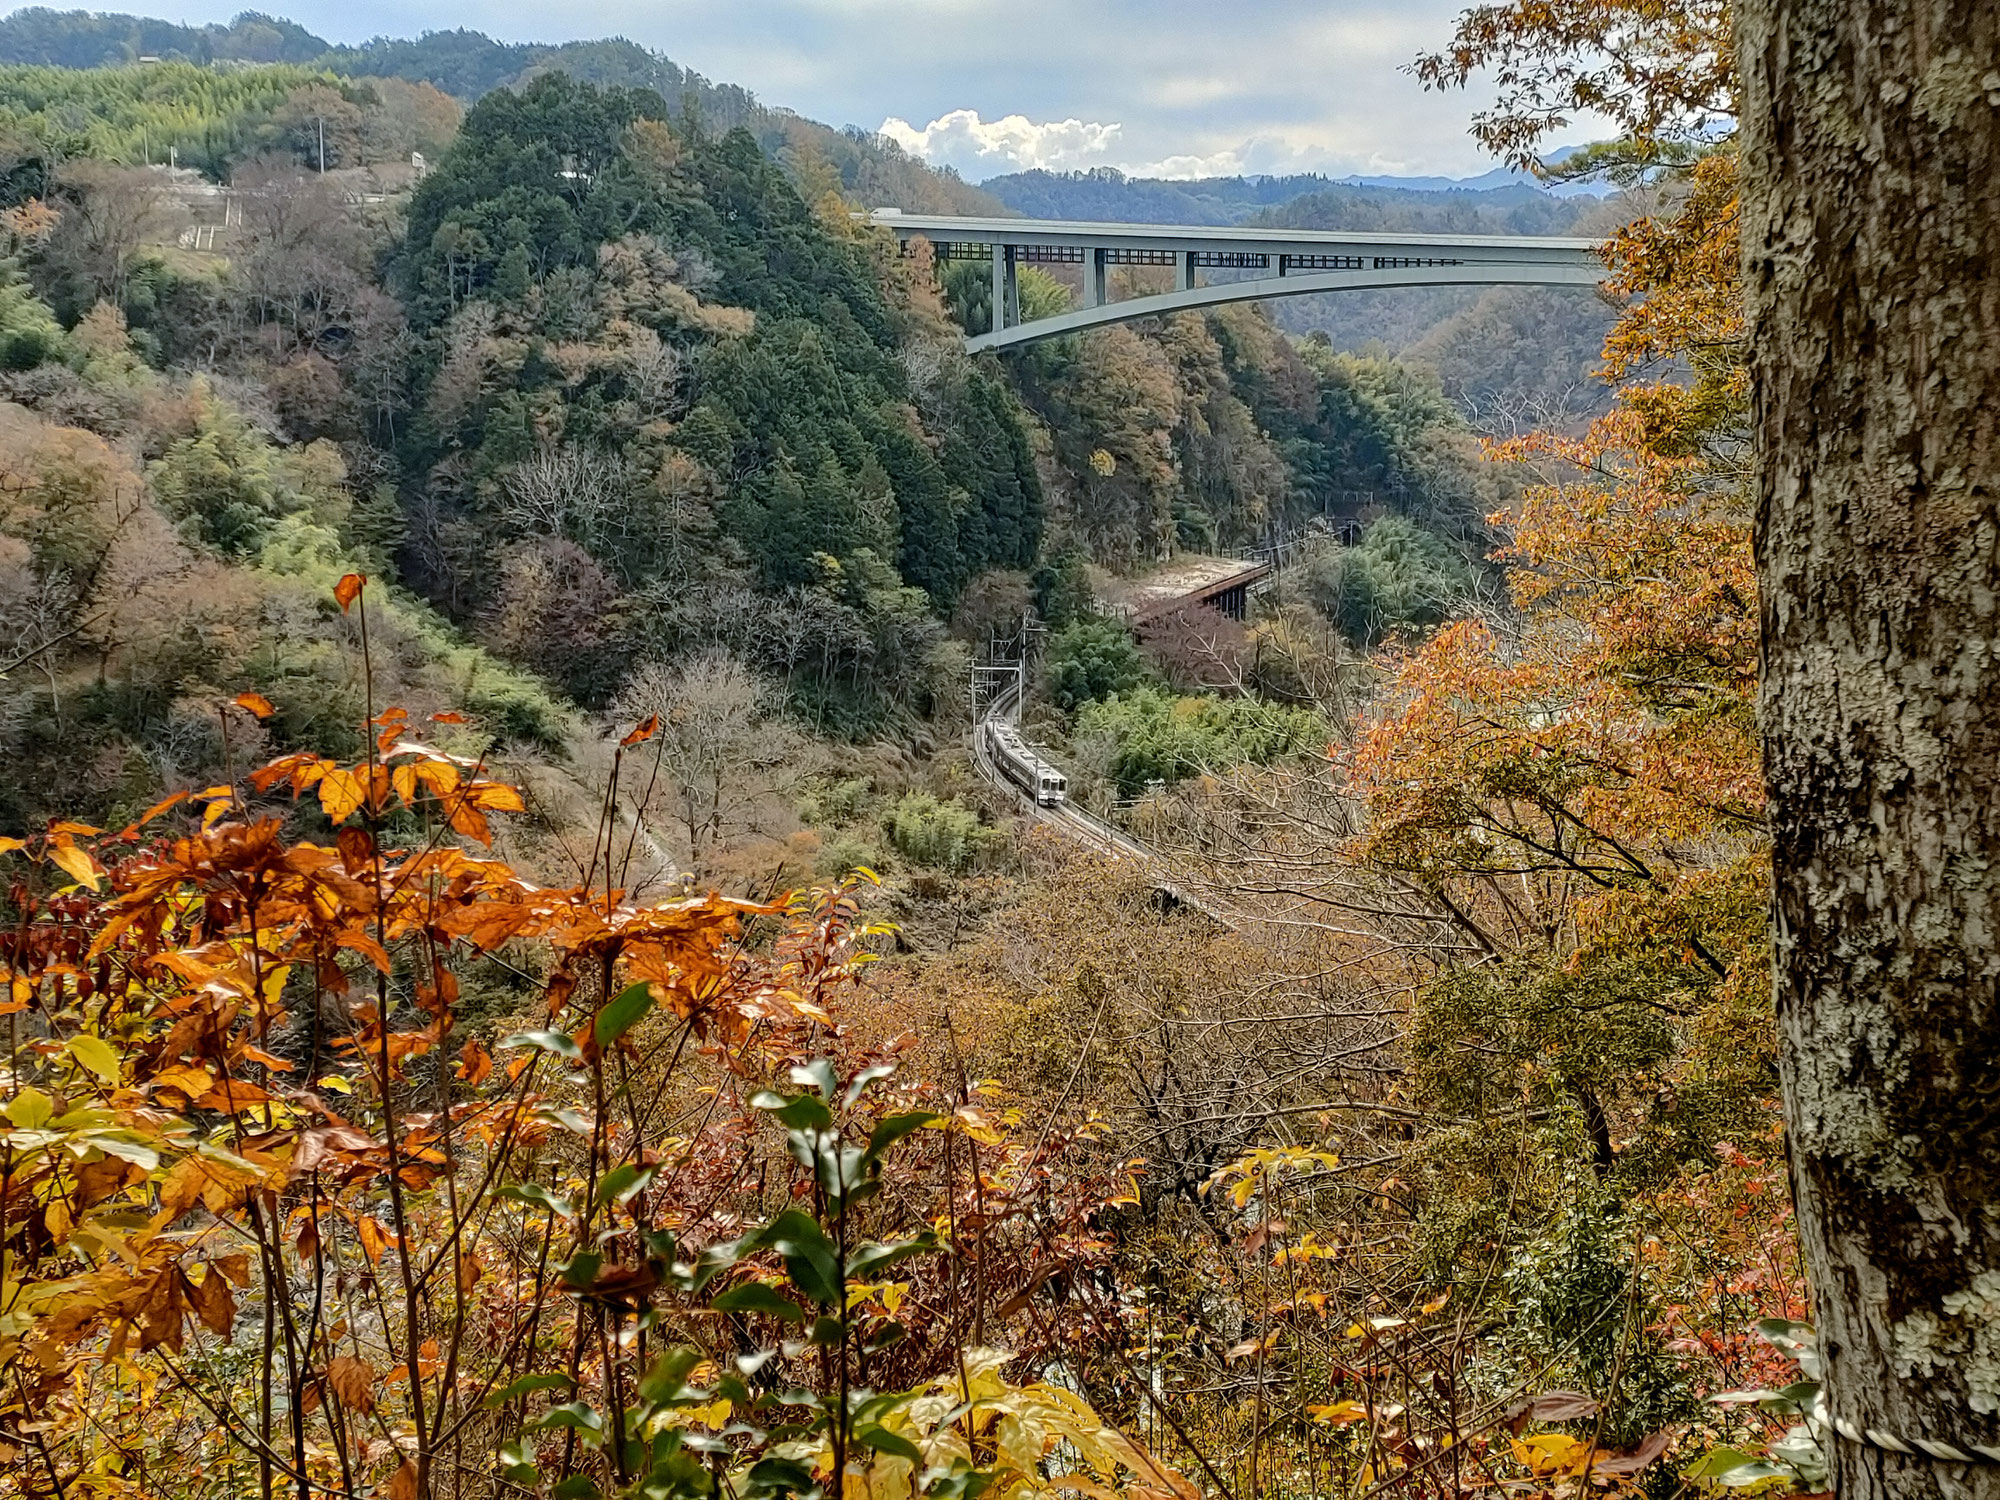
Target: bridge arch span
1262,288
1304,262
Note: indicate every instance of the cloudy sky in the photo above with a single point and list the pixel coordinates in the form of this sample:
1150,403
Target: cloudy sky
1155,87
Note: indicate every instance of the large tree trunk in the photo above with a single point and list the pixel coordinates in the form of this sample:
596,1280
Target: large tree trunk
1871,138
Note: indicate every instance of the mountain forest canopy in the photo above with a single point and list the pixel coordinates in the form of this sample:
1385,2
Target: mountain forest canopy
525,979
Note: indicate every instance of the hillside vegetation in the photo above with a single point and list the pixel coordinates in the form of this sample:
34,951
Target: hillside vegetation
517,986
468,64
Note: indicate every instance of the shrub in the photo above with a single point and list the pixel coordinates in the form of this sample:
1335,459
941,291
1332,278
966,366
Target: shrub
1401,577
1148,735
29,333
1091,660
946,835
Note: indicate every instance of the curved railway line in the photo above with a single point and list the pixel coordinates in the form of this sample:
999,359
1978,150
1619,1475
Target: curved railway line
1073,821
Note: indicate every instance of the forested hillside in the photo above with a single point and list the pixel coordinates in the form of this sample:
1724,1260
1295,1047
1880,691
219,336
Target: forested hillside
467,64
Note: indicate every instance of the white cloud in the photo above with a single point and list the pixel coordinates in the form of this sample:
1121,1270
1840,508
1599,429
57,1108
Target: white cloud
979,148
1184,168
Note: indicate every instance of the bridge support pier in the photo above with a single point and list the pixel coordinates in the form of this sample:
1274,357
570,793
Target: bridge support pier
1184,270
1006,289
1093,278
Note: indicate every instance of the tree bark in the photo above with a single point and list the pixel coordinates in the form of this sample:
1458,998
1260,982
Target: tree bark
1871,228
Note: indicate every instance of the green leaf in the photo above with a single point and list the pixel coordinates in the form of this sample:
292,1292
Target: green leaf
666,1378
576,1487
892,1128
826,1332
868,1259
96,1054
810,1258
963,1483
758,1297
800,1111
887,1334
540,1197
719,1258
517,1464
1715,1463
623,1012
817,1074
858,1085
548,1041
882,1440
1748,1474
579,1417
575,1122
579,1272
547,1380
624,1183
779,1476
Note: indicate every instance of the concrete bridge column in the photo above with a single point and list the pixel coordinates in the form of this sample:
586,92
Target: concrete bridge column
1184,270
1006,289
1093,278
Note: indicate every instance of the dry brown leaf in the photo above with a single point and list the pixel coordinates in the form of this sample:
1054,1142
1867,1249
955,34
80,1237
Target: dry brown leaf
353,1381
211,1300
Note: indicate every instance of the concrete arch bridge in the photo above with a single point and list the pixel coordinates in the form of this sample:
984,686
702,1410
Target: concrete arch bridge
1283,263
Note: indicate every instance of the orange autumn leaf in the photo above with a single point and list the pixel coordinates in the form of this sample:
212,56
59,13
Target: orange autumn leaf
348,590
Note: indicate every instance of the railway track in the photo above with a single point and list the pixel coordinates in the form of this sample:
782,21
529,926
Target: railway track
1075,822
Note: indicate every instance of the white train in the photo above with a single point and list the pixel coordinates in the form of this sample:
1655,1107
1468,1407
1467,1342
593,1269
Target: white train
1020,765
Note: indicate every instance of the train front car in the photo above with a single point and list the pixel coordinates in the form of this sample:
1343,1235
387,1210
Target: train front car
1027,770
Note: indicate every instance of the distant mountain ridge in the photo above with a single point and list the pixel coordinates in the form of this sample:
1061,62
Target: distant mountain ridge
1305,201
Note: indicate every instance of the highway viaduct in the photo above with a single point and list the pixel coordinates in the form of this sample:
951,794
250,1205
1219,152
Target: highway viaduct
1280,263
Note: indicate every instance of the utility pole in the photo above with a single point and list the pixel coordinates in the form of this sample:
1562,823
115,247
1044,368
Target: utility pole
320,121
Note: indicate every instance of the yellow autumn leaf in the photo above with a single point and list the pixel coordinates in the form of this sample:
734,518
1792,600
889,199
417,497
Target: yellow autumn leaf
75,863
340,793
95,1054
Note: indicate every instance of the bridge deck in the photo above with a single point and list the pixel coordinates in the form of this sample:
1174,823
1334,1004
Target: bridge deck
1256,261
1190,579
1055,234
